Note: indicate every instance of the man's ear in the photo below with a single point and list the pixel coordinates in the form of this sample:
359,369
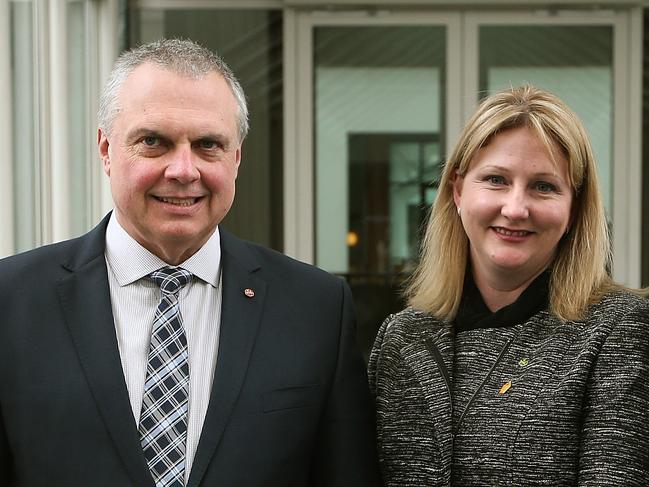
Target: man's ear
103,144
457,183
237,158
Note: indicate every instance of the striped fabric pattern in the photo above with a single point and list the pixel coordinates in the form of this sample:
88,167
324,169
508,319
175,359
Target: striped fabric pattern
163,422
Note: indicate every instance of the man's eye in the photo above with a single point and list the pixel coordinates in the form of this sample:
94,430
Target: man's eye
150,141
207,144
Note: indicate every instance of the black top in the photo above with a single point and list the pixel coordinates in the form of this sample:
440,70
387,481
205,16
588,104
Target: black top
474,313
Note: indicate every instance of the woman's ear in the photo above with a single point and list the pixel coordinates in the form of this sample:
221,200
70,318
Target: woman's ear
457,183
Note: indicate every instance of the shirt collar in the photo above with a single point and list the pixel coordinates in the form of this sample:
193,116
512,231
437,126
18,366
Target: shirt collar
130,261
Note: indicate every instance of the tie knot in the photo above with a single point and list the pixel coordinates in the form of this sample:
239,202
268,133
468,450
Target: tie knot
171,279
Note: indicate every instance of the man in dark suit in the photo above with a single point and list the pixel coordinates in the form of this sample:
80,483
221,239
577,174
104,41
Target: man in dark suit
160,350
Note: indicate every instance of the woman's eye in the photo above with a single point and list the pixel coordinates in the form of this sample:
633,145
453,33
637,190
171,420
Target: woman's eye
495,179
544,187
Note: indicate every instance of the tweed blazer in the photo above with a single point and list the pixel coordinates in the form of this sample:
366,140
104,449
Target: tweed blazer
576,414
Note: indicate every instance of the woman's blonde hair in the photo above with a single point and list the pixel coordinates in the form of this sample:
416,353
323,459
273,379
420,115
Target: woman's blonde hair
579,274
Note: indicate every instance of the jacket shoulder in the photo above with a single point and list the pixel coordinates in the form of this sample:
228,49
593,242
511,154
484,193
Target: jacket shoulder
39,258
400,330
71,253
411,322
618,307
619,302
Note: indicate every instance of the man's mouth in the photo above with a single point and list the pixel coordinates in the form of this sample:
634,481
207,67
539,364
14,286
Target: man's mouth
177,201
511,233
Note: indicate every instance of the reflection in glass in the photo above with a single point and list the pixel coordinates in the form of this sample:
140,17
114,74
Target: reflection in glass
392,183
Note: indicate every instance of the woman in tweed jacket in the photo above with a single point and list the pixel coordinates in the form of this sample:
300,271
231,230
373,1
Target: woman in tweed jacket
519,362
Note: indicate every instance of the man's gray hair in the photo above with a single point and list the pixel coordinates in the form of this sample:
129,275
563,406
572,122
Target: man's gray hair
180,56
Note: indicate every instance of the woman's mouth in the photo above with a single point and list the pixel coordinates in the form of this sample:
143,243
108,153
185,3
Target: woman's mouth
511,233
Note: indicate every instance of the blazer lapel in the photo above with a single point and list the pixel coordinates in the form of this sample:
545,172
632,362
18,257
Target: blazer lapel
85,298
240,320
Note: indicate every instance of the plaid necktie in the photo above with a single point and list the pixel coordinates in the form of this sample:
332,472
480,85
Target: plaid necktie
163,422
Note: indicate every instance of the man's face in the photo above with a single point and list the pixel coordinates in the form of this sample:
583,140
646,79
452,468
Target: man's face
172,158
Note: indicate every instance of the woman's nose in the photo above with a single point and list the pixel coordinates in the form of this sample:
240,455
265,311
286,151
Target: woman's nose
515,205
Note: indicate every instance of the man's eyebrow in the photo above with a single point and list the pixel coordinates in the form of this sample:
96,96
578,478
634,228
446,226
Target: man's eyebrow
143,132
216,137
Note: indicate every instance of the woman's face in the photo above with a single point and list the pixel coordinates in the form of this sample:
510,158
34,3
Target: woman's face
515,206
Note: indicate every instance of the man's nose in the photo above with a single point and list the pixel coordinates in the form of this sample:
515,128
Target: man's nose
516,204
182,166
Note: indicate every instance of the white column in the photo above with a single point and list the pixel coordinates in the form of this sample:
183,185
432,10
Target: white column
627,160
6,136
59,153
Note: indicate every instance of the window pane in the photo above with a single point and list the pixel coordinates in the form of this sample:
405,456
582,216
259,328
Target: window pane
256,59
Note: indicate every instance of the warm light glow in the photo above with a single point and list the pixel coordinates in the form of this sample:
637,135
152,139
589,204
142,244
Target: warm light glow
352,238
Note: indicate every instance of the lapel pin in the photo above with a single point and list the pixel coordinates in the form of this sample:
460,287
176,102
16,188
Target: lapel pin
249,292
524,362
505,387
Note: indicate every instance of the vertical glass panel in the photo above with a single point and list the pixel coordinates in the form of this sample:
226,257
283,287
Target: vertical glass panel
78,142
250,41
26,170
575,62
379,126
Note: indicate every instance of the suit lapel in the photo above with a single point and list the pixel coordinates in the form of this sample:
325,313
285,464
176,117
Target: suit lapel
240,320
85,298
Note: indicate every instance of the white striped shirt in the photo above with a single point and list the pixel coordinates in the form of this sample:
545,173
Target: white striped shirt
134,299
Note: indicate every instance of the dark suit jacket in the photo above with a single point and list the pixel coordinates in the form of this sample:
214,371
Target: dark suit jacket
289,404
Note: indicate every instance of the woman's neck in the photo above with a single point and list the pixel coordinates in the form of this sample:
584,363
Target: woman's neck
500,291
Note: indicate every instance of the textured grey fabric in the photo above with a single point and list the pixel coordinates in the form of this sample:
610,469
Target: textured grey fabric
577,412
